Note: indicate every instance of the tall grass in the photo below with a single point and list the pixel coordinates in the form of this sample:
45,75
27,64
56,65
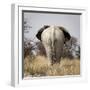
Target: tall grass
40,66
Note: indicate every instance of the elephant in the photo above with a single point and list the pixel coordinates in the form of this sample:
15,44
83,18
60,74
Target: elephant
53,38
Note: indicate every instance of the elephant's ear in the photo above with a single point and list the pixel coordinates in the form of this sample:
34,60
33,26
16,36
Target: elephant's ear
66,33
38,35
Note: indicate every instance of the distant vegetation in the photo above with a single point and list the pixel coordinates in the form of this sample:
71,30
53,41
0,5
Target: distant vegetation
71,49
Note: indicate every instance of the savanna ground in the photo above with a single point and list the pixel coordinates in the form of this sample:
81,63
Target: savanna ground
40,66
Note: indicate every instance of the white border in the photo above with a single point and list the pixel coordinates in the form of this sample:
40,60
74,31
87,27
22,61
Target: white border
16,68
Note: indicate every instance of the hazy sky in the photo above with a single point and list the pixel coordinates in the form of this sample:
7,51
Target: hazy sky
37,20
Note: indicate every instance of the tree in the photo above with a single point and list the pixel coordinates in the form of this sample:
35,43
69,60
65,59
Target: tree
71,49
26,26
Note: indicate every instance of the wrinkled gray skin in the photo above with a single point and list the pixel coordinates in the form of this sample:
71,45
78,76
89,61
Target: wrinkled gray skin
53,39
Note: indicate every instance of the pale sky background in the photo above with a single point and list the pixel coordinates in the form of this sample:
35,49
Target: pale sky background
38,20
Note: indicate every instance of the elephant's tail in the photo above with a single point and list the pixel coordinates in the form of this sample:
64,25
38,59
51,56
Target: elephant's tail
53,46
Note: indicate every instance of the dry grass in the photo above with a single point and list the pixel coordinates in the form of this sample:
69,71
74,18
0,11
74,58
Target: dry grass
40,66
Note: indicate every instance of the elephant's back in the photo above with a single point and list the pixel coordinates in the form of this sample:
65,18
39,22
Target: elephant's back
52,33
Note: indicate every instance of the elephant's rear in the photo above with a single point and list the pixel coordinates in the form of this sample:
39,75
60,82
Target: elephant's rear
53,40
